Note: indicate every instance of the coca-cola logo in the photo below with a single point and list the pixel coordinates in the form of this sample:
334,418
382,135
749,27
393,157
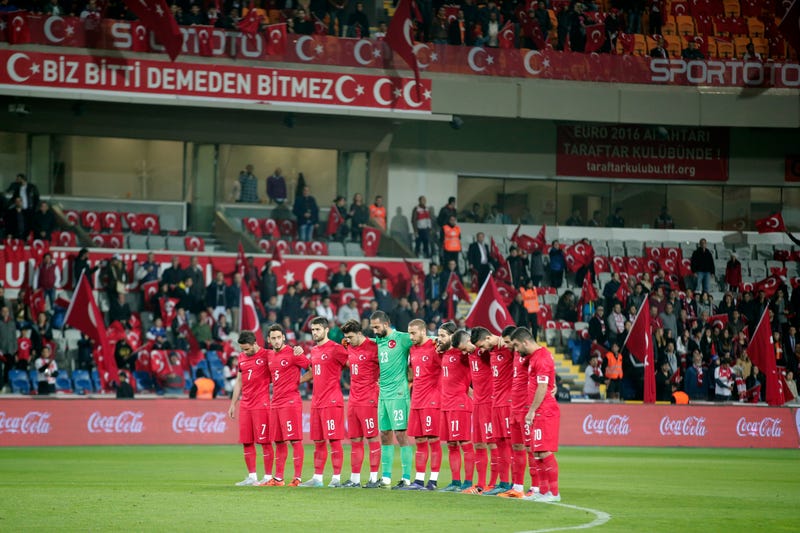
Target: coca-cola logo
767,427
690,426
124,422
613,425
208,422
34,422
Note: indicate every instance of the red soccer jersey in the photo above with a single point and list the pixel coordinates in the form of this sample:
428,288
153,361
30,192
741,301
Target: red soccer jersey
455,381
481,377
364,372
543,370
426,368
285,367
327,362
519,383
502,361
254,370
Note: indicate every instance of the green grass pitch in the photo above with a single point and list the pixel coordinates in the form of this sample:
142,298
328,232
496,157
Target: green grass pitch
183,488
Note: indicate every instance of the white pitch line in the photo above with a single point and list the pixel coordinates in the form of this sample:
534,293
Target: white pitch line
601,517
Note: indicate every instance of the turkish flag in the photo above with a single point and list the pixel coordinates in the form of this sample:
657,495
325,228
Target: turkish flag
276,39
503,271
718,321
36,303
640,345
451,12
250,23
248,318
507,292
320,28
488,310
579,255
194,244
196,353
622,293
506,37
204,36
414,269
771,224
168,311
38,249
532,30
277,256
335,219
456,288
790,29
90,220
370,240
588,291
139,40
271,228
156,17
769,285
526,242
149,222
595,37
149,289
628,42
762,354
400,36
18,29
241,260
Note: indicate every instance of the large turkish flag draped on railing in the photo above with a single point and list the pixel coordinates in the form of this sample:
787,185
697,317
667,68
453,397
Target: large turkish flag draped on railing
762,354
640,345
488,311
400,36
248,318
156,17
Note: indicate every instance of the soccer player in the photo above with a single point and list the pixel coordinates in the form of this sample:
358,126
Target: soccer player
502,362
423,422
520,431
393,401
456,419
286,414
327,403
252,388
481,372
544,415
362,408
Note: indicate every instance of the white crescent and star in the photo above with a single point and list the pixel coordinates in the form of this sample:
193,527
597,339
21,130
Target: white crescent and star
299,48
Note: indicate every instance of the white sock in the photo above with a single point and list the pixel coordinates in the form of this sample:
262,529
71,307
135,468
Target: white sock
355,478
535,490
336,478
253,476
386,480
420,477
317,477
373,477
267,477
434,476
518,488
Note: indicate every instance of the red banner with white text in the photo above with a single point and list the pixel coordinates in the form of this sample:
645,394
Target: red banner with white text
165,421
52,73
642,152
371,53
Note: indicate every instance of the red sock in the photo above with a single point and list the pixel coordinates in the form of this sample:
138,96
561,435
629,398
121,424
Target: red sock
481,458
422,457
337,456
269,458
494,465
469,461
518,467
281,453
551,471
356,456
544,481
504,460
298,455
374,456
531,464
320,457
436,455
250,457
536,478
455,460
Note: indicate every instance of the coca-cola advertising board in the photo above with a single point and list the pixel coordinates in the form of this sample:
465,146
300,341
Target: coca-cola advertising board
29,422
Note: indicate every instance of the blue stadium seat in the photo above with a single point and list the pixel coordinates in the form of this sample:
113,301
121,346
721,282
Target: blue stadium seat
96,379
17,374
218,377
204,366
144,381
82,382
189,381
20,386
63,384
212,356
215,364
34,377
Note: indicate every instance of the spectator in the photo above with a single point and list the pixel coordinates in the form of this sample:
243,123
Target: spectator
433,283
595,221
276,187
575,219
664,220
46,372
422,223
229,373
702,264
668,320
557,265
248,186
195,17
537,267
377,213
158,334
115,276
447,211
613,372
402,315
341,279
598,327
359,217
268,283
291,306
693,381
518,265
616,220
195,272
342,230
216,296
478,257
349,311
307,213
610,290
203,388
451,242
663,385
577,28
458,30
148,270
497,216
517,310
613,25
530,299
124,388
750,53
302,25
233,297
47,277
119,310
655,19
8,342
27,192
733,273
17,221
723,381
692,52
44,222
386,301
358,23
473,215
52,8
439,28
202,330
381,33
593,380
173,274
92,11
616,324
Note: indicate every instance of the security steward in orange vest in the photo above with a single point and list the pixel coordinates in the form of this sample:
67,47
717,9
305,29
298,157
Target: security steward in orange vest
678,396
530,299
377,212
613,371
451,242
203,388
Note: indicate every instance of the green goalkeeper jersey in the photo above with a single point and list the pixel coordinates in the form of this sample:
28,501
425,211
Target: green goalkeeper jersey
393,360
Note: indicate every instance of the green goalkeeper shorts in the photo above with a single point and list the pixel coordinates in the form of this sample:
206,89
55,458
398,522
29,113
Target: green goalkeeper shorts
393,414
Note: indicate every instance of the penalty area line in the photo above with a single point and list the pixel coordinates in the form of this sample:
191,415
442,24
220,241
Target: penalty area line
601,517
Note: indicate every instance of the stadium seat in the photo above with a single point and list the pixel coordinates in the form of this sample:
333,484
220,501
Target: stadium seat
265,245
673,43
336,248
761,46
731,8
755,27
111,221
90,220
96,379
740,44
640,45
668,27
193,243
63,384
176,243
288,228
685,25
20,385
300,247
144,381
353,249
156,242
137,242
72,216
317,248
82,382
252,225
725,49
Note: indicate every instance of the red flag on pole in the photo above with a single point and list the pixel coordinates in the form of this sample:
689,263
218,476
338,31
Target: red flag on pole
525,242
595,37
578,255
640,345
335,220
370,240
507,292
771,224
241,260
250,23
488,310
156,17
400,36
455,291
506,40
762,354
503,271
276,39
588,294
248,318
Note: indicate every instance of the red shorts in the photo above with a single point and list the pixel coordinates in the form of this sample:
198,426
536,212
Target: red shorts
424,422
455,426
520,431
327,423
501,422
362,421
254,426
545,432
286,423
482,422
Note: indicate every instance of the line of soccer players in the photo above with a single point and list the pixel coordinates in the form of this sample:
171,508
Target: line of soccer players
511,419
